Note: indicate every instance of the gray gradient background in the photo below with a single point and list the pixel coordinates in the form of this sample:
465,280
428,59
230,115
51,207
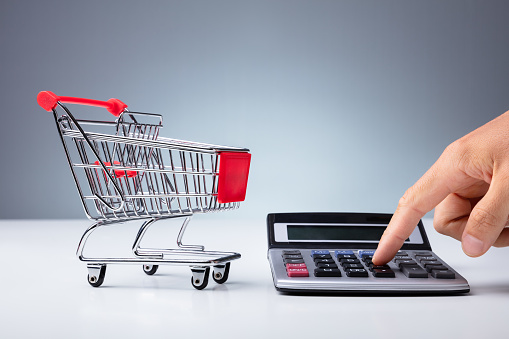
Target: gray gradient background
344,104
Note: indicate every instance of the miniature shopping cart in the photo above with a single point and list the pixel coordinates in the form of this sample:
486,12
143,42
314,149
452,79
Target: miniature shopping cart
131,173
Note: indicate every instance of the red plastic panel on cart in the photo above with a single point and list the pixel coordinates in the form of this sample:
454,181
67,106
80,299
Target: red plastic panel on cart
233,174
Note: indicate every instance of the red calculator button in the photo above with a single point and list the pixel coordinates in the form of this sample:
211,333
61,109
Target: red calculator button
297,272
288,266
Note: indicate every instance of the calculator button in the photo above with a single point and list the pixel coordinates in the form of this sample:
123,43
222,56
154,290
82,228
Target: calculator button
349,261
443,274
292,256
427,263
414,272
328,261
346,256
430,268
294,261
383,273
368,261
291,252
295,266
297,272
321,256
347,266
319,252
400,262
426,254
365,253
327,272
379,267
367,258
421,258
356,272
326,265
402,253
404,257
343,252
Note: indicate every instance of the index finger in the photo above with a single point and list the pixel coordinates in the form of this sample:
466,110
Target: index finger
418,200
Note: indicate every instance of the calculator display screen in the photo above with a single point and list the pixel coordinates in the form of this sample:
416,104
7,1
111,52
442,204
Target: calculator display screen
343,232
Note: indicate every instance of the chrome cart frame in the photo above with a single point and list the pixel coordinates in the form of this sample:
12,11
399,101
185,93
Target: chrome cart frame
131,173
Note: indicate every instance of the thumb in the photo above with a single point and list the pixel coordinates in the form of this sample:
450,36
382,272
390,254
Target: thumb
488,218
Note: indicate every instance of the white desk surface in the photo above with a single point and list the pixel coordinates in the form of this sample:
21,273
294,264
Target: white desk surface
44,291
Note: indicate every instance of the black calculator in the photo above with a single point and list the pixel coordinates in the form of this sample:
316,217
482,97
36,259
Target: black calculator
332,253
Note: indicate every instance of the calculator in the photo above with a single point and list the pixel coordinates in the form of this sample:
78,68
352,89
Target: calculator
332,253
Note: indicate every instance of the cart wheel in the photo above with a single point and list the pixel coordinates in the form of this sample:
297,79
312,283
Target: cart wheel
150,269
97,280
220,273
200,277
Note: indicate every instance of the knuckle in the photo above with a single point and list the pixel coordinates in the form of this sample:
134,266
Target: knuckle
458,147
457,152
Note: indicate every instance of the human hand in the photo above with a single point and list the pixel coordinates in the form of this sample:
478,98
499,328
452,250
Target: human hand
469,186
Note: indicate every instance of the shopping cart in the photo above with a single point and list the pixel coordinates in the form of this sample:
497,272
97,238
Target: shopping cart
132,173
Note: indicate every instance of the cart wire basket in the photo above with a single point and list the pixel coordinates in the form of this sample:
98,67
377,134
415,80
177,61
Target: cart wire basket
125,171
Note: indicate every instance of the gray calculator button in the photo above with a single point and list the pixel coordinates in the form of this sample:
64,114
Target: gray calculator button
442,274
402,253
414,272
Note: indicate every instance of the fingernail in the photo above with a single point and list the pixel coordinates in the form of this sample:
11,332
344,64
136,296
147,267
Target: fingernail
472,246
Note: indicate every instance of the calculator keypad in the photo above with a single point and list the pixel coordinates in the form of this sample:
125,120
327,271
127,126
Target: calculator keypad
420,265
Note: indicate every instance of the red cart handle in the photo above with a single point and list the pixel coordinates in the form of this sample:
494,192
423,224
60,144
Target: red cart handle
48,100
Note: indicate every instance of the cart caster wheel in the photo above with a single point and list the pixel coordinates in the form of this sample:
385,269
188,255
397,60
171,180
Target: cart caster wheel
220,273
150,269
200,278
96,278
